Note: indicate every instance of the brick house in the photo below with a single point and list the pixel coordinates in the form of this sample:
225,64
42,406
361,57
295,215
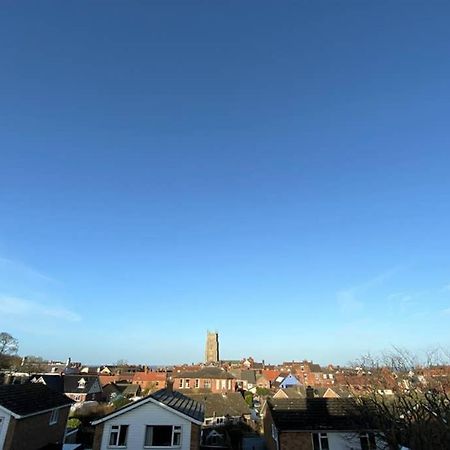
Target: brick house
314,424
211,379
32,416
162,419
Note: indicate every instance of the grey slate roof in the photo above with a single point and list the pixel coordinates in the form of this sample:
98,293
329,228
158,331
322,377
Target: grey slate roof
31,398
54,382
221,405
313,414
92,384
172,399
206,372
244,374
181,403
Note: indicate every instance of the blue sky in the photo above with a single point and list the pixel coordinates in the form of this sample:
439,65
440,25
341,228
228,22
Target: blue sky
278,171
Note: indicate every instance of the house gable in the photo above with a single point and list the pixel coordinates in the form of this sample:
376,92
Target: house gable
150,412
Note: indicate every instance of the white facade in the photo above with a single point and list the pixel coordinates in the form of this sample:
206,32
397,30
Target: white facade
137,420
5,418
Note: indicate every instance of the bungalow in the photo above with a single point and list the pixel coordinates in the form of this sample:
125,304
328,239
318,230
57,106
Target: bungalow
32,416
162,419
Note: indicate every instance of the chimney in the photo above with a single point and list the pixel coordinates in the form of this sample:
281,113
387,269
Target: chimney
309,392
169,387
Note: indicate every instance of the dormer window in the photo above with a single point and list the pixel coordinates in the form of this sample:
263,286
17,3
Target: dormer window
82,383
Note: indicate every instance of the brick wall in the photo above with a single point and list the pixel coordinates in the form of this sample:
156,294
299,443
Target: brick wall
267,430
295,441
98,436
213,384
287,440
195,437
35,432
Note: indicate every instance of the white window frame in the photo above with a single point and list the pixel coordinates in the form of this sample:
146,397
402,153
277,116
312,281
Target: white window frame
54,417
176,430
320,437
117,429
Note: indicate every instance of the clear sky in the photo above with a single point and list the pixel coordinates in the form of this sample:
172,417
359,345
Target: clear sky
278,172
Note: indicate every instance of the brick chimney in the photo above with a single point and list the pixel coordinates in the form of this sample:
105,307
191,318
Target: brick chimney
169,387
309,392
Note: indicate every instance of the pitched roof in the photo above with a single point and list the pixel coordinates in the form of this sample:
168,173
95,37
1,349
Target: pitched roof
220,405
149,376
291,392
206,372
248,375
174,400
54,382
30,398
82,384
313,414
270,374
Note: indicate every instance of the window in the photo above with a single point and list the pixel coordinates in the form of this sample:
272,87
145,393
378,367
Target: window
320,441
162,436
197,383
181,382
186,384
118,436
54,416
367,441
207,384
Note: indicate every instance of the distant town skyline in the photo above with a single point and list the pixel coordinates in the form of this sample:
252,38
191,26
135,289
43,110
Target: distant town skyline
278,173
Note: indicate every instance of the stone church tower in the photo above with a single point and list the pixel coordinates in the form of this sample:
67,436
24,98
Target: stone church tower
212,347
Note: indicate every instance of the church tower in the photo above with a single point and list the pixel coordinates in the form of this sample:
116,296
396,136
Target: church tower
212,347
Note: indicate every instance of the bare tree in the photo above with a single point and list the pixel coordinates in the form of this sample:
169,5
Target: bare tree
416,414
8,348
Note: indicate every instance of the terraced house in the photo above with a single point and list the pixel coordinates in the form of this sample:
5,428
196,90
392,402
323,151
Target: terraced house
212,379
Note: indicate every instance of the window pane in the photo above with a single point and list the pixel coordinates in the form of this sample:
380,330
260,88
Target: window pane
316,444
113,438
158,436
176,436
123,435
324,442
364,442
148,435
